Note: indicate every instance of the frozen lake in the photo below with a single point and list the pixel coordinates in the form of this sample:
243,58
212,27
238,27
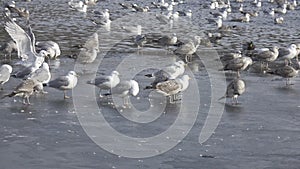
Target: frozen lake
261,132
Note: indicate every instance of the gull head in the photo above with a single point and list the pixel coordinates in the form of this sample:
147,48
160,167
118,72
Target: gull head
72,73
7,67
116,73
293,47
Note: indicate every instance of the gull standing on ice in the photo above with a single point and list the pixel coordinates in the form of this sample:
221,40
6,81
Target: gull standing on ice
286,72
172,87
189,48
124,89
25,89
64,83
238,64
288,53
234,89
170,72
106,82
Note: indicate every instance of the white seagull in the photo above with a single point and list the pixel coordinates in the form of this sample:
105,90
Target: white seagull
124,89
106,82
64,83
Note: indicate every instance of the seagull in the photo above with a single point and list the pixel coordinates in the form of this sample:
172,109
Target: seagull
5,71
169,72
52,48
64,83
238,64
230,56
172,87
222,14
285,72
42,76
106,82
187,13
133,29
90,2
139,8
218,21
140,40
271,12
125,6
89,50
278,20
189,48
288,53
245,18
78,6
164,19
268,56
25,43
25,89
234,89
22,12
124,89
103,15
282,9
167,41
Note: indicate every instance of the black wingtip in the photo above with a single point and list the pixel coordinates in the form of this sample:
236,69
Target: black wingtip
148,87
149,75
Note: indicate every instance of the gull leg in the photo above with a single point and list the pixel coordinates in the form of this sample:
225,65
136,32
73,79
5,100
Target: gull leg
100,95
24,102
65,95
28,102
238,74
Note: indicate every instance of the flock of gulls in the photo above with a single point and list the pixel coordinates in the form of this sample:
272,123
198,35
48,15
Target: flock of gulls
33,57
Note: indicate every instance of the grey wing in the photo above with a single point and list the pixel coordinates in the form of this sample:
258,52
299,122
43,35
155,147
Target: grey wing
121,87
23,73
160,76
283,52
234,64
21,38
230,89
101,80
186,48
32,37
265,55
39,75
59,82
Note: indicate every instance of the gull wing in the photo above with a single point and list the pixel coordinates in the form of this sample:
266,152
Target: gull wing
59,82
283,52
22,39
